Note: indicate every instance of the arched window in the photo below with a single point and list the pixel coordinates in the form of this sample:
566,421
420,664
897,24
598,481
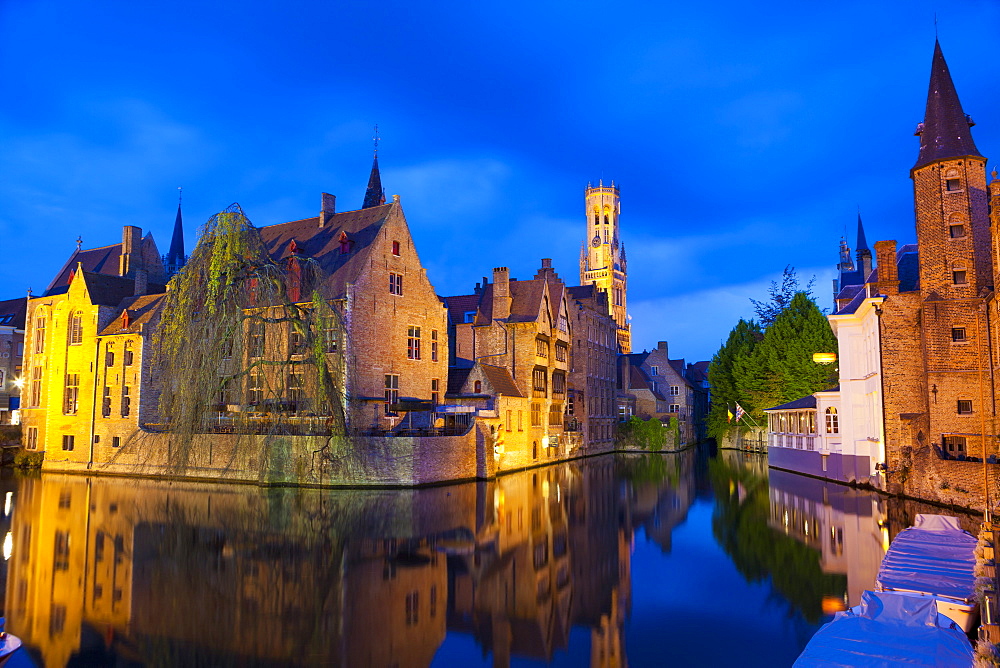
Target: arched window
832,422
76,328
39,334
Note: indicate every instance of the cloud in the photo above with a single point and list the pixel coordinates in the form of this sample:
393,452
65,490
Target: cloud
696,324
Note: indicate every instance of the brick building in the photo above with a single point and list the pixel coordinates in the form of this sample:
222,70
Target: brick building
592,376
651,385
12,314
917,356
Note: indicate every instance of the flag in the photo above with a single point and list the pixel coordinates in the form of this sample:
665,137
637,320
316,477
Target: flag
739,412
729,414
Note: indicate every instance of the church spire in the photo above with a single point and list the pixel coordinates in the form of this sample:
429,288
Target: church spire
375,194
864,254
945,131
175,256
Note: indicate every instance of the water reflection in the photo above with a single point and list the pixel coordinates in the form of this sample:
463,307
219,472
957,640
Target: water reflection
535,565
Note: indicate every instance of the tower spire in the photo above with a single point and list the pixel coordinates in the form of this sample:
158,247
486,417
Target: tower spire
375,194
945,131
175,256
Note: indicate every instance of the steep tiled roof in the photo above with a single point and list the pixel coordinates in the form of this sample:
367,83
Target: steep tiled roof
459,305
908,267
323,244
501,380
141,310
102,260
526,300
13,311
111,290
456,379
945,132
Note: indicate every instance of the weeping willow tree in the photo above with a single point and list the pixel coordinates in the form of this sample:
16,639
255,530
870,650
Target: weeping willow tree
247,346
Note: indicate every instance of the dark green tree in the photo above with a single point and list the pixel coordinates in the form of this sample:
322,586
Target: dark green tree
781,367
741,342
780,296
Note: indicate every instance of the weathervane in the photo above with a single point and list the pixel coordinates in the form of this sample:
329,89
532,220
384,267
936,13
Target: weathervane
79,243
376,138
180,194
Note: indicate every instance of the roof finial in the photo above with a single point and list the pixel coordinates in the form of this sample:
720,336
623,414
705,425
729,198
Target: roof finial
935,27
376,138
180,195
79,243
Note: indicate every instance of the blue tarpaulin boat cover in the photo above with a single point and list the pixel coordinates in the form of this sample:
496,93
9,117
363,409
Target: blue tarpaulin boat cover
934,556
889,629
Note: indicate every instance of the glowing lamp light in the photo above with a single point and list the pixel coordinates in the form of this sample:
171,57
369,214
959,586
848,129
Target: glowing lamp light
8,546
19,382
824,358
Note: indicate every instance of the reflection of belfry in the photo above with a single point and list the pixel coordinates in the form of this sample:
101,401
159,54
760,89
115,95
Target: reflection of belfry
602,258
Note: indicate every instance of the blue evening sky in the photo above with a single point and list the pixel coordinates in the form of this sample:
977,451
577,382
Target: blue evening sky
744,136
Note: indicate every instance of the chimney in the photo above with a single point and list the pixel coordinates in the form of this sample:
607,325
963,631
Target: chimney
141,282
327,208
888,272
662,346
501,293
546,272
131,256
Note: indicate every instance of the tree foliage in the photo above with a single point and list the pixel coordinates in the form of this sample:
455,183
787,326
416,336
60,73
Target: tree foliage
780,296
761,370
741,342
224,344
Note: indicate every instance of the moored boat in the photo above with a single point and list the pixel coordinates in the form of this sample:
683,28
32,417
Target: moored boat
934,558
888,629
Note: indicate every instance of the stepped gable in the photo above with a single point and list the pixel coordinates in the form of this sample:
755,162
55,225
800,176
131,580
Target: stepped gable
501,380
13,312
323,244
142,309
103,260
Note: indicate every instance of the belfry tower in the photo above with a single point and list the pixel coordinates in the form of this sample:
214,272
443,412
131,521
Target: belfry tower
602,258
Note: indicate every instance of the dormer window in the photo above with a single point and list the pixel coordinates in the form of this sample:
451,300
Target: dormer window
345,243
395,248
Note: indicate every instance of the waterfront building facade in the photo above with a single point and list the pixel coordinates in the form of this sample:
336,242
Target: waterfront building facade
593,375
12,315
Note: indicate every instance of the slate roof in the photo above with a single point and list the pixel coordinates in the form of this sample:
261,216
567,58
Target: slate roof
908,272
13,312
375,193
176,253
322,244
456,379
945,132
804,402
141,310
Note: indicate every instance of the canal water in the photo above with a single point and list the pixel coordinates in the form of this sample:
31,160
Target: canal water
689,559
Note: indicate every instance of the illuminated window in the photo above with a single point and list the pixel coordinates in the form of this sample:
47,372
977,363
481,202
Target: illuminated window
832,421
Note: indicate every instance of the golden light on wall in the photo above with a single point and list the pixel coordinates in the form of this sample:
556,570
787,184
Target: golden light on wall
824,358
